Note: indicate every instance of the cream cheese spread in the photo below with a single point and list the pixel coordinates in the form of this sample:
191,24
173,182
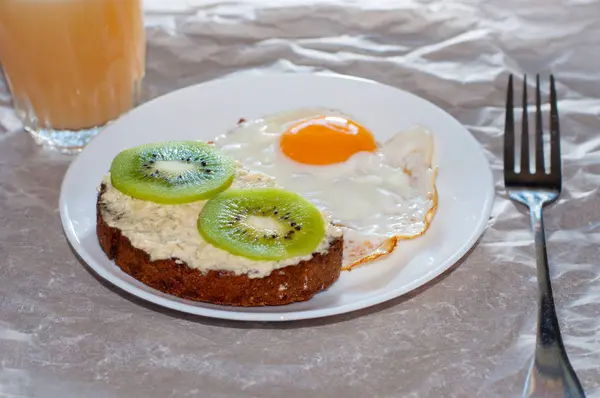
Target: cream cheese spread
170,231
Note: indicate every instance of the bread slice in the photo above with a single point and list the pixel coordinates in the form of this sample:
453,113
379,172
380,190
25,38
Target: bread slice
282,286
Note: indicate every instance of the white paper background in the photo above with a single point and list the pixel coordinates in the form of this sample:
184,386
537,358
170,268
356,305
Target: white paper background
470,334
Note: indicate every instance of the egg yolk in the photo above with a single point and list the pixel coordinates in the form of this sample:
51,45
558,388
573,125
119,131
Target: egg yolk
326,140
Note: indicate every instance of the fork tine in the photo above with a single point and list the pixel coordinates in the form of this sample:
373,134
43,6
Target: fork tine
539,129
525,132
554,131
509,130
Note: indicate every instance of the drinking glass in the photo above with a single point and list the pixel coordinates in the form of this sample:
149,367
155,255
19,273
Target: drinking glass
72,65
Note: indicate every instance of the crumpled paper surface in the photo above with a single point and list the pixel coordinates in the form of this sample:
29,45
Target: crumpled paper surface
470,334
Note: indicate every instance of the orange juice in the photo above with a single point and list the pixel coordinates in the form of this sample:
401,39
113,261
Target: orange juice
72,64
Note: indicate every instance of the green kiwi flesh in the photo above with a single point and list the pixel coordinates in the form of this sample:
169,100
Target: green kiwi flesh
262,223
172,172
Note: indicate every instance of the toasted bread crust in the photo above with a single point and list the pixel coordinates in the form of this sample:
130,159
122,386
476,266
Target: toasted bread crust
286,285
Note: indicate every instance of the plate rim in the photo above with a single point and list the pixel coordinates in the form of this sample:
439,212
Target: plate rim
232,314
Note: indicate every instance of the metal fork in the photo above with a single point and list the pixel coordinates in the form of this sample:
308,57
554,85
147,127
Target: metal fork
551,374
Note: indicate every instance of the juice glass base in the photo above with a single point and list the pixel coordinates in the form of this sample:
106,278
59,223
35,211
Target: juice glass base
65,141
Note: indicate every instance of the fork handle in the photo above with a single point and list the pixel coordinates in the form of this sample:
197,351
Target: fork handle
551,373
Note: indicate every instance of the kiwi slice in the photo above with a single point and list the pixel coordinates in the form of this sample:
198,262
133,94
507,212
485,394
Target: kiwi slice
262,223
172,172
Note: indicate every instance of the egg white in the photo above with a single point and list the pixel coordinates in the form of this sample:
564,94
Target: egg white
376,197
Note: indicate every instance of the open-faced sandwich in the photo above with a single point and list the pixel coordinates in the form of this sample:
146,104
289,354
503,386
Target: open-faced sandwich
189,221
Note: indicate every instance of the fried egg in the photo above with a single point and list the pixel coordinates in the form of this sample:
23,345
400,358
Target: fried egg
377,193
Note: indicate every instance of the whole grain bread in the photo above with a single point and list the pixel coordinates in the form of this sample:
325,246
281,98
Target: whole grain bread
286,285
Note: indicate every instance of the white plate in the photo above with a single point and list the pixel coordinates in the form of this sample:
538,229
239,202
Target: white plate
465,183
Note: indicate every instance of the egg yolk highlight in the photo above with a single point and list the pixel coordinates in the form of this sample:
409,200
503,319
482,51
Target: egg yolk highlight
326,140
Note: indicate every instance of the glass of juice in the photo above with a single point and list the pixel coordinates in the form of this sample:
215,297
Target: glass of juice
72,65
